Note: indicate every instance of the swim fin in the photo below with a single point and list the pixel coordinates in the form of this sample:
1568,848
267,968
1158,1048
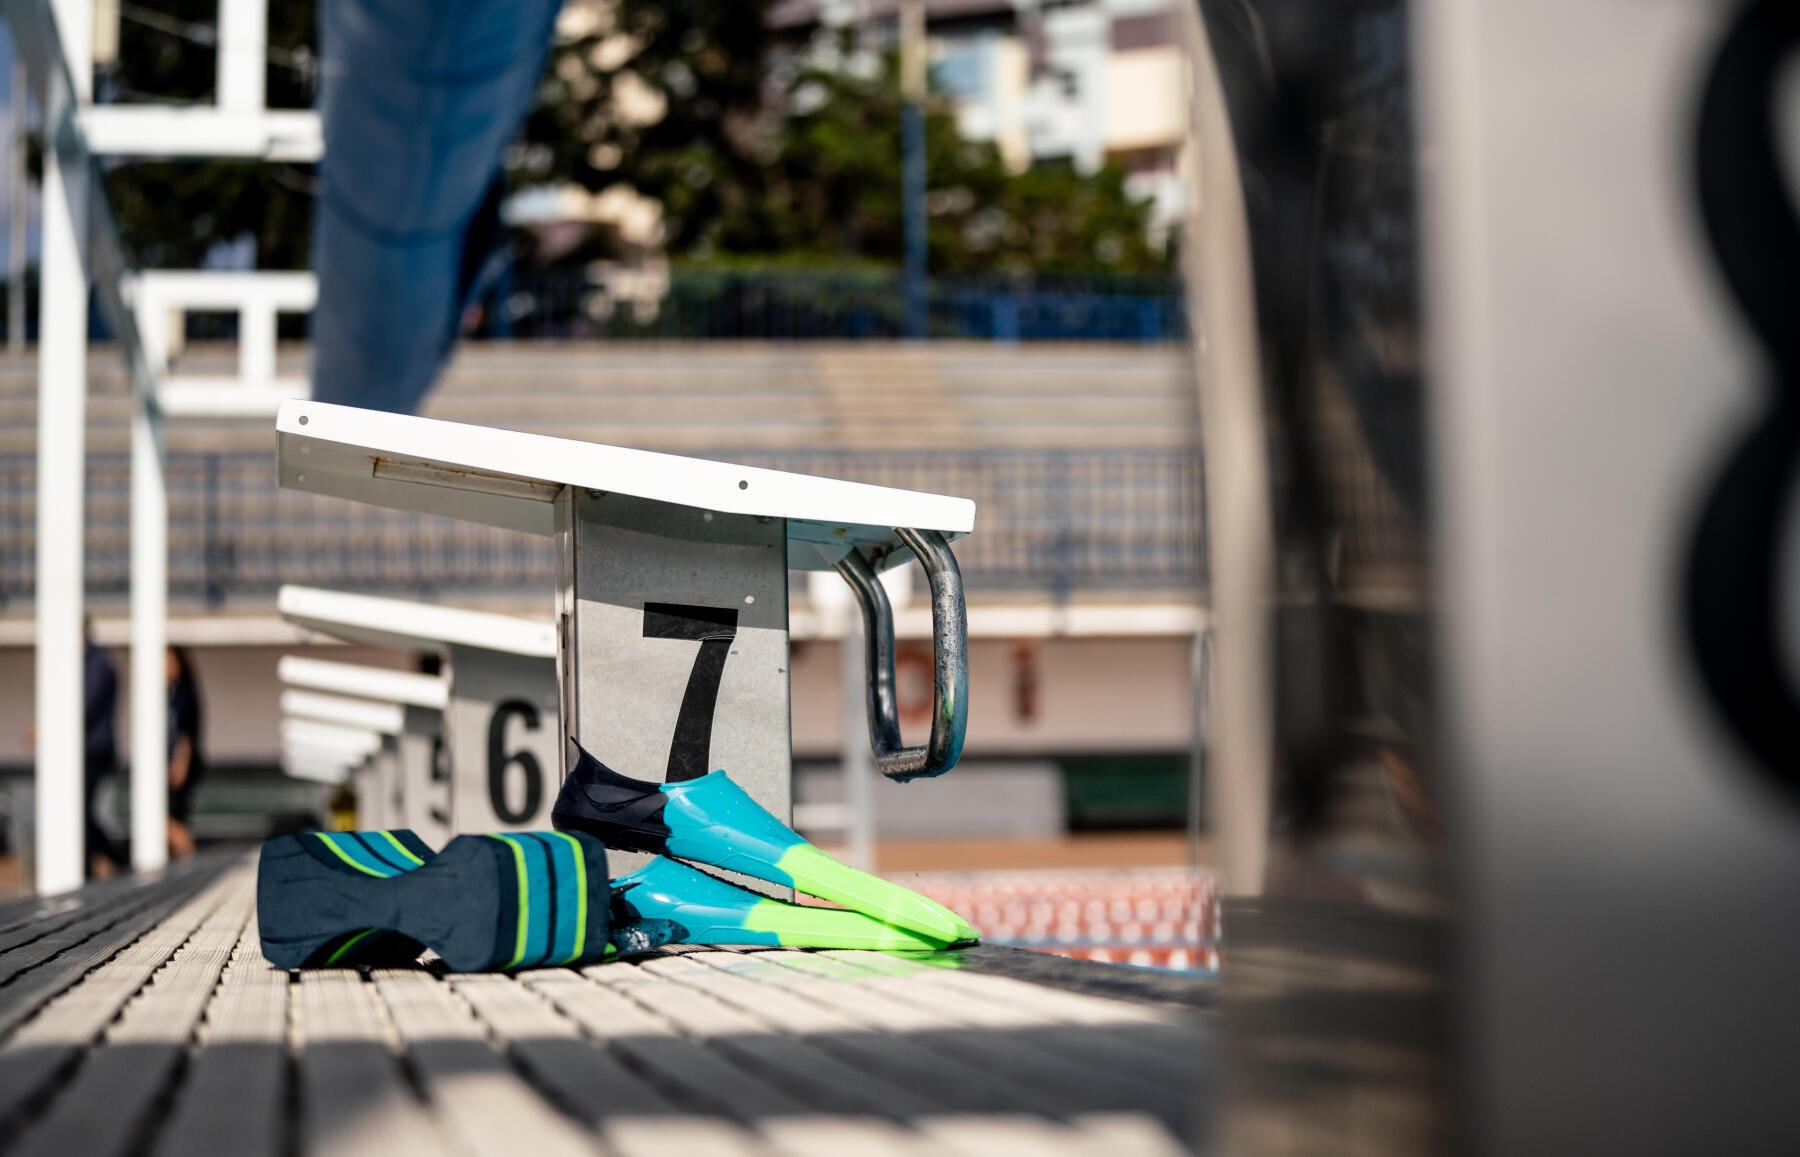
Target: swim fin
711,820
696,908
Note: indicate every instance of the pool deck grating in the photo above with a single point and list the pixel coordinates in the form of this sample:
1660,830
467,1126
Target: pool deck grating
139,1017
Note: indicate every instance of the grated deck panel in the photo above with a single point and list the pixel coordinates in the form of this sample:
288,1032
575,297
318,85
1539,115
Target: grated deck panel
139,1017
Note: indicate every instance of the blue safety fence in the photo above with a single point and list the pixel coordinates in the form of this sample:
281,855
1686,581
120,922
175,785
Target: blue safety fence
803,305
776,305
1059,521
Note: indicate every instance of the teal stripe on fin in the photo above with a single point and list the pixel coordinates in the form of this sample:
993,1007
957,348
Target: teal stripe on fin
534,939
381,851
354,854
568,905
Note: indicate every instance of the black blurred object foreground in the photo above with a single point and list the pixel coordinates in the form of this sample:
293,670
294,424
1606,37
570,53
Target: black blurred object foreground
1334,1001
1335,1030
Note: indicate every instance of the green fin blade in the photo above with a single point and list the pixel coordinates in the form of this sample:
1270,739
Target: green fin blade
801,926
817,874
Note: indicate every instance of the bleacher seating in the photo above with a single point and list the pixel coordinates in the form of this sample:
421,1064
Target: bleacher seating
1081,457
729,396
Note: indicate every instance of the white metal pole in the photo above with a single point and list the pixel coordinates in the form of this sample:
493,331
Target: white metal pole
18,210
243,48
836,607
62,416
859,761
149,640
256,343
75,29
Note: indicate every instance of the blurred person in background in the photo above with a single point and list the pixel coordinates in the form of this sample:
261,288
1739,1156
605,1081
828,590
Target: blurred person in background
100,681
186,763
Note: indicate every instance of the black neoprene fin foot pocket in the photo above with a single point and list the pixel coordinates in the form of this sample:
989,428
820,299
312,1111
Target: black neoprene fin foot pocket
620,811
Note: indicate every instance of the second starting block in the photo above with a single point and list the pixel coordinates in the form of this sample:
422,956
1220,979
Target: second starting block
500,713
422,763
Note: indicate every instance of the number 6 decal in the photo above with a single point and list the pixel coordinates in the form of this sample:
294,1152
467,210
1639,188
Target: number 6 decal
498,761
714,628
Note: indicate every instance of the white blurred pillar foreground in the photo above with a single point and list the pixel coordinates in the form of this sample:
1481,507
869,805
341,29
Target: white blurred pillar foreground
150,567
1239,733
149,641
62,416
80,241
243,56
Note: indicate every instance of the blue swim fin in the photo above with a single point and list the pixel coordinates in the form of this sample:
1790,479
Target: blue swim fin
711,820
696,908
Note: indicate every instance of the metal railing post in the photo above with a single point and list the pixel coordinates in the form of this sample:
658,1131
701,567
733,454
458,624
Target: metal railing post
1062,574
18,208
61,515
149,640
912,151
212,586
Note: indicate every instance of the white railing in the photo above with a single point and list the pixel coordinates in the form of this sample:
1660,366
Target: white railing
239,125
162,299
54,39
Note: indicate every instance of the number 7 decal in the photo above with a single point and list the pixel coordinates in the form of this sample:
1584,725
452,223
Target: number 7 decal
714,628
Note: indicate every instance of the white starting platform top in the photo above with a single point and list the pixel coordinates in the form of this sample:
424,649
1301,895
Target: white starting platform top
354,679
509,479
316,768
324,764
397,623
351,742
382,718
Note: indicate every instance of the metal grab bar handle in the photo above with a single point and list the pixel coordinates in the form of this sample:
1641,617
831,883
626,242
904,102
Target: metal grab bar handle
949,656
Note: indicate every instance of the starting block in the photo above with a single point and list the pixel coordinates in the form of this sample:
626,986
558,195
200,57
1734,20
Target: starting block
318,768
671,629
356,752
422,762
500,719
324,752
380,781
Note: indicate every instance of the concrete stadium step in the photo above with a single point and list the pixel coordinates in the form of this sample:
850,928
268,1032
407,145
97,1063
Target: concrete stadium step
729,397
884,400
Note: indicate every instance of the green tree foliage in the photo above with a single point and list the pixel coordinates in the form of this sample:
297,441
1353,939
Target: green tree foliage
831,191
703,62
755,161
